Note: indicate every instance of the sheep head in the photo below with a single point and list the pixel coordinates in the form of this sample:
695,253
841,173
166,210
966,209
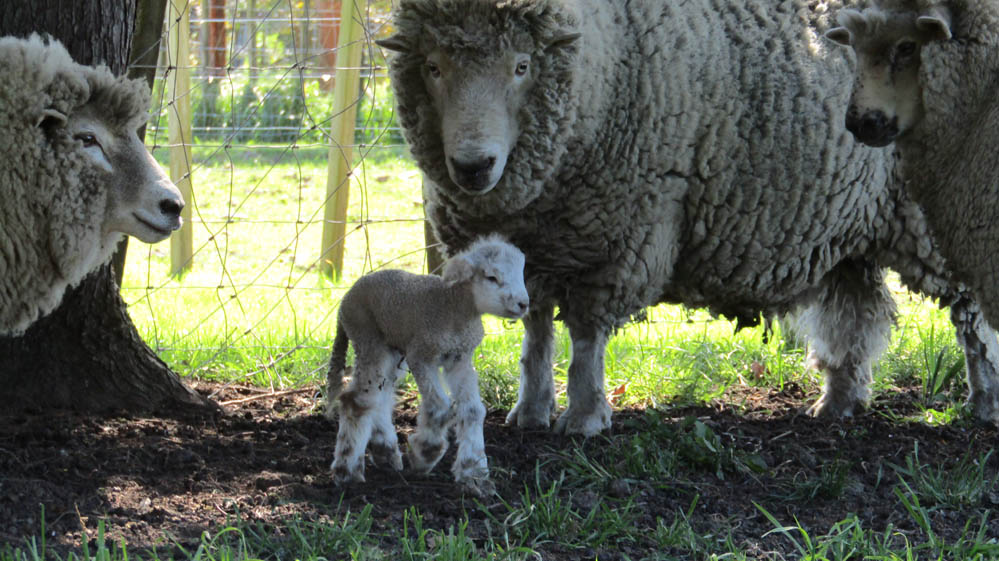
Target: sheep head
74,175
494,268
887,99
483,89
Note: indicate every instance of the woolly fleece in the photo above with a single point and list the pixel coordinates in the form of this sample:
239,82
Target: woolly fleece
950,160
689,153
51,215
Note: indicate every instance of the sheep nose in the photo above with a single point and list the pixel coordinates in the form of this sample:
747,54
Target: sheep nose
872,128
521,307
171,207
473,174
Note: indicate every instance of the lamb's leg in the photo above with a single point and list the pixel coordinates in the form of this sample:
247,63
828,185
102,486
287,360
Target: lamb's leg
981,357
358,412
848,324
384,442
588,412
536,396
471,469
429,442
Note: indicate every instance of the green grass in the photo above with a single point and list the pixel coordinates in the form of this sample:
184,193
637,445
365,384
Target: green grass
254,309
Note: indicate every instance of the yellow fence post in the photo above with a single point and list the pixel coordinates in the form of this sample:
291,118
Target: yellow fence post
353,15
179,125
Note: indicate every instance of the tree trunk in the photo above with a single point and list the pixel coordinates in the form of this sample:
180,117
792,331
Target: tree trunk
86,355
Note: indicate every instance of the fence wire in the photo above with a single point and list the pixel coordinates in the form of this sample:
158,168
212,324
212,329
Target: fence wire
260,95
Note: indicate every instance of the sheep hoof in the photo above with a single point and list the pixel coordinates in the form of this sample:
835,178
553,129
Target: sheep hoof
423,456
534,415
387,455
828,407
343,476
585,423
480,487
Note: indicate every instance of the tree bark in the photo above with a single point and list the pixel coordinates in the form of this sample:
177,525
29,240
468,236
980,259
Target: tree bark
87,354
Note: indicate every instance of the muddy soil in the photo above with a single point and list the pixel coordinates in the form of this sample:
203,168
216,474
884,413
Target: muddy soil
266,460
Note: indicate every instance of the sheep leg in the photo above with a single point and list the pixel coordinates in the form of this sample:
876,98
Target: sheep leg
384,442
849,324
358,406
981,354
470,469
928,274
588,412
429,442
536,395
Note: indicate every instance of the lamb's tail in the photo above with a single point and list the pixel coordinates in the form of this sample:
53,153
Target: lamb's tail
338,364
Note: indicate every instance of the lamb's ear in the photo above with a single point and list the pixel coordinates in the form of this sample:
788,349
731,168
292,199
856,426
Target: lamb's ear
936,22
51,118
393,43
840,35
458,269
563,39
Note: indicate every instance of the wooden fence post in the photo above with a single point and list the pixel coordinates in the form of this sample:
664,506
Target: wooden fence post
345,101
179,125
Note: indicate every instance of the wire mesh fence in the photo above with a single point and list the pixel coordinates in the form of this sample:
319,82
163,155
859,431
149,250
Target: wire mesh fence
254,127
258,89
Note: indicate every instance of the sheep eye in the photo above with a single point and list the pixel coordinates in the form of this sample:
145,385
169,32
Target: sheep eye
522,68
87,139
434,70
493,279
905,49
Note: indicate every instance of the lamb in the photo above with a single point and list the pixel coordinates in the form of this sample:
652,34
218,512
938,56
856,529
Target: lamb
643,151
431,323
926,81
74,176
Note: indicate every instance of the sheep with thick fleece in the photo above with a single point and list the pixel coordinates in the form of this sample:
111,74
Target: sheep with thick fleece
74,175
645,151
927,78
430,323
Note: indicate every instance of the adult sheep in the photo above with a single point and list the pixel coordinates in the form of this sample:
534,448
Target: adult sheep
927,76
74,175
645,151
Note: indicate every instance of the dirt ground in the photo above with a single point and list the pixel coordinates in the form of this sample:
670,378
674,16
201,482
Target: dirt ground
267,460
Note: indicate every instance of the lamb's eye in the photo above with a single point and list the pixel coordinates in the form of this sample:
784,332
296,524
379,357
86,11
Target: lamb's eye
493,279
522,68
905,49
87,139
433,69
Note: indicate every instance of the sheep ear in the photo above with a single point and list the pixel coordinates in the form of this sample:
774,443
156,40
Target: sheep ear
51,118
458,269
852,20
936,22
840,35
563,40
393,43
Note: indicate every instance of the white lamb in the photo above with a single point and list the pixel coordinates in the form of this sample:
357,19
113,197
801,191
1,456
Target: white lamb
431,323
